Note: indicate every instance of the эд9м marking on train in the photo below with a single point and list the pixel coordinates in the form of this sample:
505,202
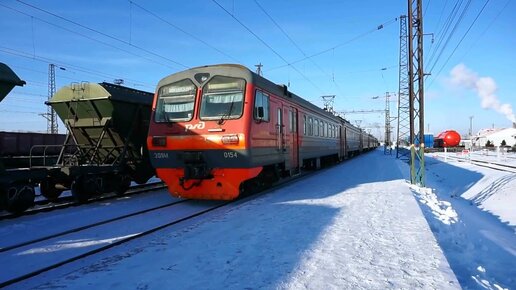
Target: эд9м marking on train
217,129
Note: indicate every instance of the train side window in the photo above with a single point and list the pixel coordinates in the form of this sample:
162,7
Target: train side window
261,106
304,125
321,127
291,121
294,121
316,127
310,126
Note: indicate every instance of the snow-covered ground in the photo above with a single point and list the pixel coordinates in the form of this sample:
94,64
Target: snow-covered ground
491,190
358,225
472,212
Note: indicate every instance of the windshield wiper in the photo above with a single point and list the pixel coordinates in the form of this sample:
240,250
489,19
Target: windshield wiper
227,115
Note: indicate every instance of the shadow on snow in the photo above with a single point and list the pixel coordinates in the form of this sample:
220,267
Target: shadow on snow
479,246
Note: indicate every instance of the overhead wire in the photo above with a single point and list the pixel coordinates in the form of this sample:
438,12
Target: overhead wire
87,37
103,34
454,29
444,31
268,46
183,31
460,41
379,27
297,46
69,66
487,28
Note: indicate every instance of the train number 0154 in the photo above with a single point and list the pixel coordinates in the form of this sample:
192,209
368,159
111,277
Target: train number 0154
230,154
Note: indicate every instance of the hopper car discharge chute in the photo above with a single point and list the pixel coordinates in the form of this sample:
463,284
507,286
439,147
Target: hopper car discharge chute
107,125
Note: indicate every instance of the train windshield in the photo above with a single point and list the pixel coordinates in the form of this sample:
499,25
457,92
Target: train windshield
176,102
222,98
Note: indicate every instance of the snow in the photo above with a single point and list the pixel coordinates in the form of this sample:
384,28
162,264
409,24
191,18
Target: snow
491,190
496,137
358,225
480,244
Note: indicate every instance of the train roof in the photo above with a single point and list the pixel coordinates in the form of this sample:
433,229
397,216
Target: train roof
94,91
8,79
240,71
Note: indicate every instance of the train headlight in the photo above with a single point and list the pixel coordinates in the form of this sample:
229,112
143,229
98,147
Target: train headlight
230,139
159,141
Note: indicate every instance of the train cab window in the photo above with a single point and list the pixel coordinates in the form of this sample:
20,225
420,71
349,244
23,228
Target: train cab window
176,102
222,98
261,106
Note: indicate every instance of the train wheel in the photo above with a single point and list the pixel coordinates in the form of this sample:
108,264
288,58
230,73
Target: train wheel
80,191
123,185
49,190
18,198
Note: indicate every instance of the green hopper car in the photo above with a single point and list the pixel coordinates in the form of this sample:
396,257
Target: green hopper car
105,148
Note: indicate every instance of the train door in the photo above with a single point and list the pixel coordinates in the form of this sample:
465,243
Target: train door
294,138
343,142
280,130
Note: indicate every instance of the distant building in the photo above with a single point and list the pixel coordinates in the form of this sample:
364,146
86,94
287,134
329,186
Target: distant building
495,136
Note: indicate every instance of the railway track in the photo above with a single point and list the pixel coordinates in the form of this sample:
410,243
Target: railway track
66,246
71,245
486,164
68,201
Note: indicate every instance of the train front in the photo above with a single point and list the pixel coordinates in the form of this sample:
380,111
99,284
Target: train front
198,136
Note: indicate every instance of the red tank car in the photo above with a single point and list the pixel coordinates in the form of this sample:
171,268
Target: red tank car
449,138
216,129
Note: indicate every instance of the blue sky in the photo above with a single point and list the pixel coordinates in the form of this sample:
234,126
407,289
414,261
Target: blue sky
355,61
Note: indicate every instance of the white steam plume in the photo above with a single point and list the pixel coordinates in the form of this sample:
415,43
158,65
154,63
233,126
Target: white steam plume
485,87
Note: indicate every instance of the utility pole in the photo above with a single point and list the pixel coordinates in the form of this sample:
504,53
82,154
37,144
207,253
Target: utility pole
470,127
259,68
52,127
387,149
416,89
403,136
50,115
